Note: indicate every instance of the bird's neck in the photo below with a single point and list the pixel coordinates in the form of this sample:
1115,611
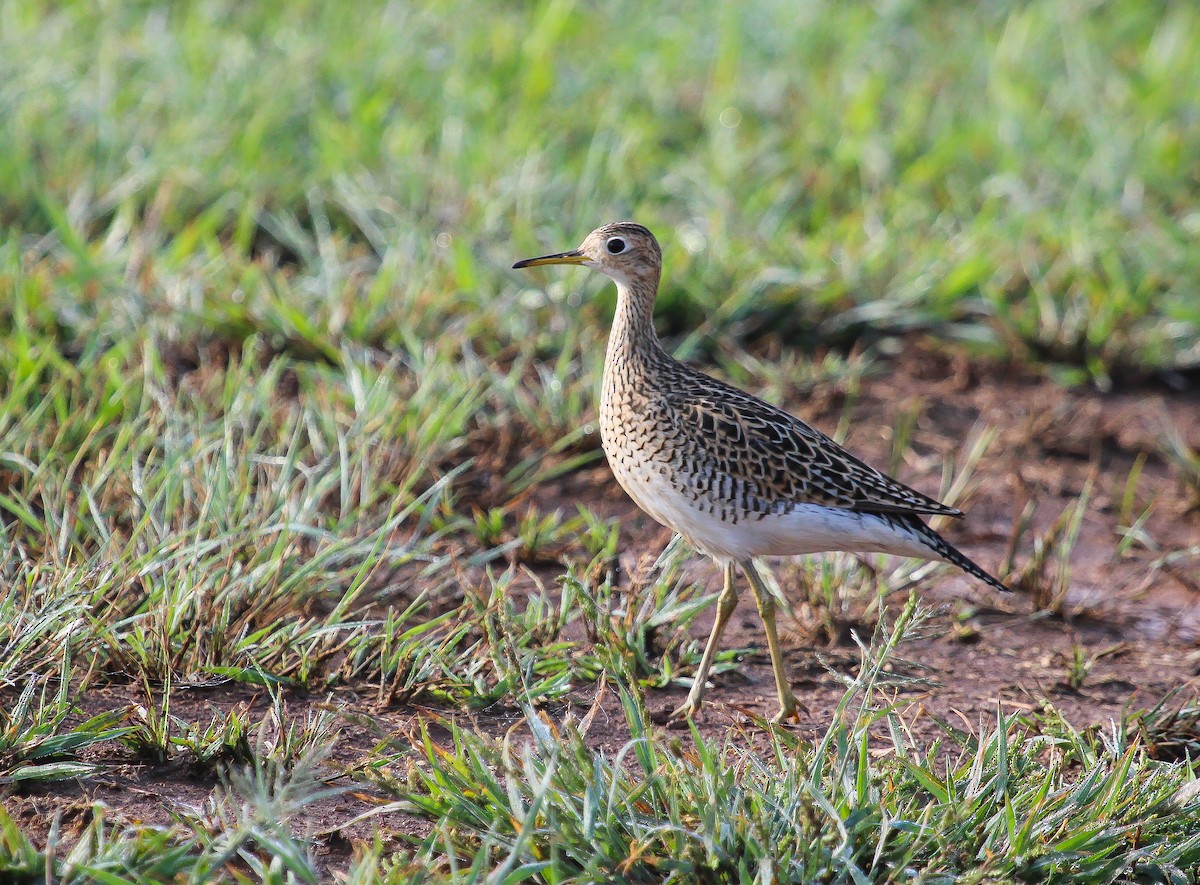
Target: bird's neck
632,336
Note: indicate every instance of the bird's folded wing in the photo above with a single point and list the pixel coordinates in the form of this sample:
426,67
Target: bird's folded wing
776,458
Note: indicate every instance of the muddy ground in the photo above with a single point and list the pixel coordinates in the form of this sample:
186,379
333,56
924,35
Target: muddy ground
1135,617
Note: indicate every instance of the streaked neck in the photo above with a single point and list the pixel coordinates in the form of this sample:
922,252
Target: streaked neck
633,325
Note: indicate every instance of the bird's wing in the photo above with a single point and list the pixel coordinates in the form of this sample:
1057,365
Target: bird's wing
773,457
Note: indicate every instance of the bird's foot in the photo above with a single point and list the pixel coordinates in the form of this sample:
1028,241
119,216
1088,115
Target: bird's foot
689,709
789,711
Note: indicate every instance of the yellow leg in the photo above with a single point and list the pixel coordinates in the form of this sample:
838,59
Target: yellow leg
766,608
726,603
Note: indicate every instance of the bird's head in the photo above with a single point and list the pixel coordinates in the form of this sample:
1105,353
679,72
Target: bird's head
624,251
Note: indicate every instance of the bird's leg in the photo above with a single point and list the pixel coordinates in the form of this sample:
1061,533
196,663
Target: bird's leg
766,609
726,603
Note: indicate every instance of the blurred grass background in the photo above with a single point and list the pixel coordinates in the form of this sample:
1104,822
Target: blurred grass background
1023,176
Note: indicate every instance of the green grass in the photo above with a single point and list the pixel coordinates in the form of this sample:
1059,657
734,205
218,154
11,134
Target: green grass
1015,175
272,404
1010,805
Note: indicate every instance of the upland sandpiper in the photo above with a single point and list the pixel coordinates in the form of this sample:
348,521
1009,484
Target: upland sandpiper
736,476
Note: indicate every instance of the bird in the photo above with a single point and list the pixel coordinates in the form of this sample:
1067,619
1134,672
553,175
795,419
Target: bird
736,476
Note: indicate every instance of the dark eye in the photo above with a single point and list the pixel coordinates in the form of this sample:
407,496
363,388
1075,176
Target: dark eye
615,245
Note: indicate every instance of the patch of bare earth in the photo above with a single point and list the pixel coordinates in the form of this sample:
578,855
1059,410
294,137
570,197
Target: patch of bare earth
1136,619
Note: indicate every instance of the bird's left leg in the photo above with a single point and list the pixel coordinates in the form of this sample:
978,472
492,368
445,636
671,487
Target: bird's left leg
766,609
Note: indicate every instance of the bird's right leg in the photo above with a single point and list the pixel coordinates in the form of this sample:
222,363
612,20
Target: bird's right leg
726,603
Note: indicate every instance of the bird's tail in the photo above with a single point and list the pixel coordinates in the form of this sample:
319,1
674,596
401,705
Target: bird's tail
947,551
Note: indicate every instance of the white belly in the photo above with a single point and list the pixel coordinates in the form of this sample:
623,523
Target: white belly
807,528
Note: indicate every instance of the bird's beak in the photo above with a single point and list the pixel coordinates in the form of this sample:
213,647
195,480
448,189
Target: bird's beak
572,257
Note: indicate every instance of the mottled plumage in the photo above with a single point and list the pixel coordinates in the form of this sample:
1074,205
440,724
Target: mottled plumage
735,475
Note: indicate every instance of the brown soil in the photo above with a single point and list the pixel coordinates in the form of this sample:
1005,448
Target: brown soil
1134,616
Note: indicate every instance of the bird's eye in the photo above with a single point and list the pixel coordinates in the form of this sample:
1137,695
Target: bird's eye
615,245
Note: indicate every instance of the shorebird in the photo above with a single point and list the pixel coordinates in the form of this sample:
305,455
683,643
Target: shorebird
736,476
